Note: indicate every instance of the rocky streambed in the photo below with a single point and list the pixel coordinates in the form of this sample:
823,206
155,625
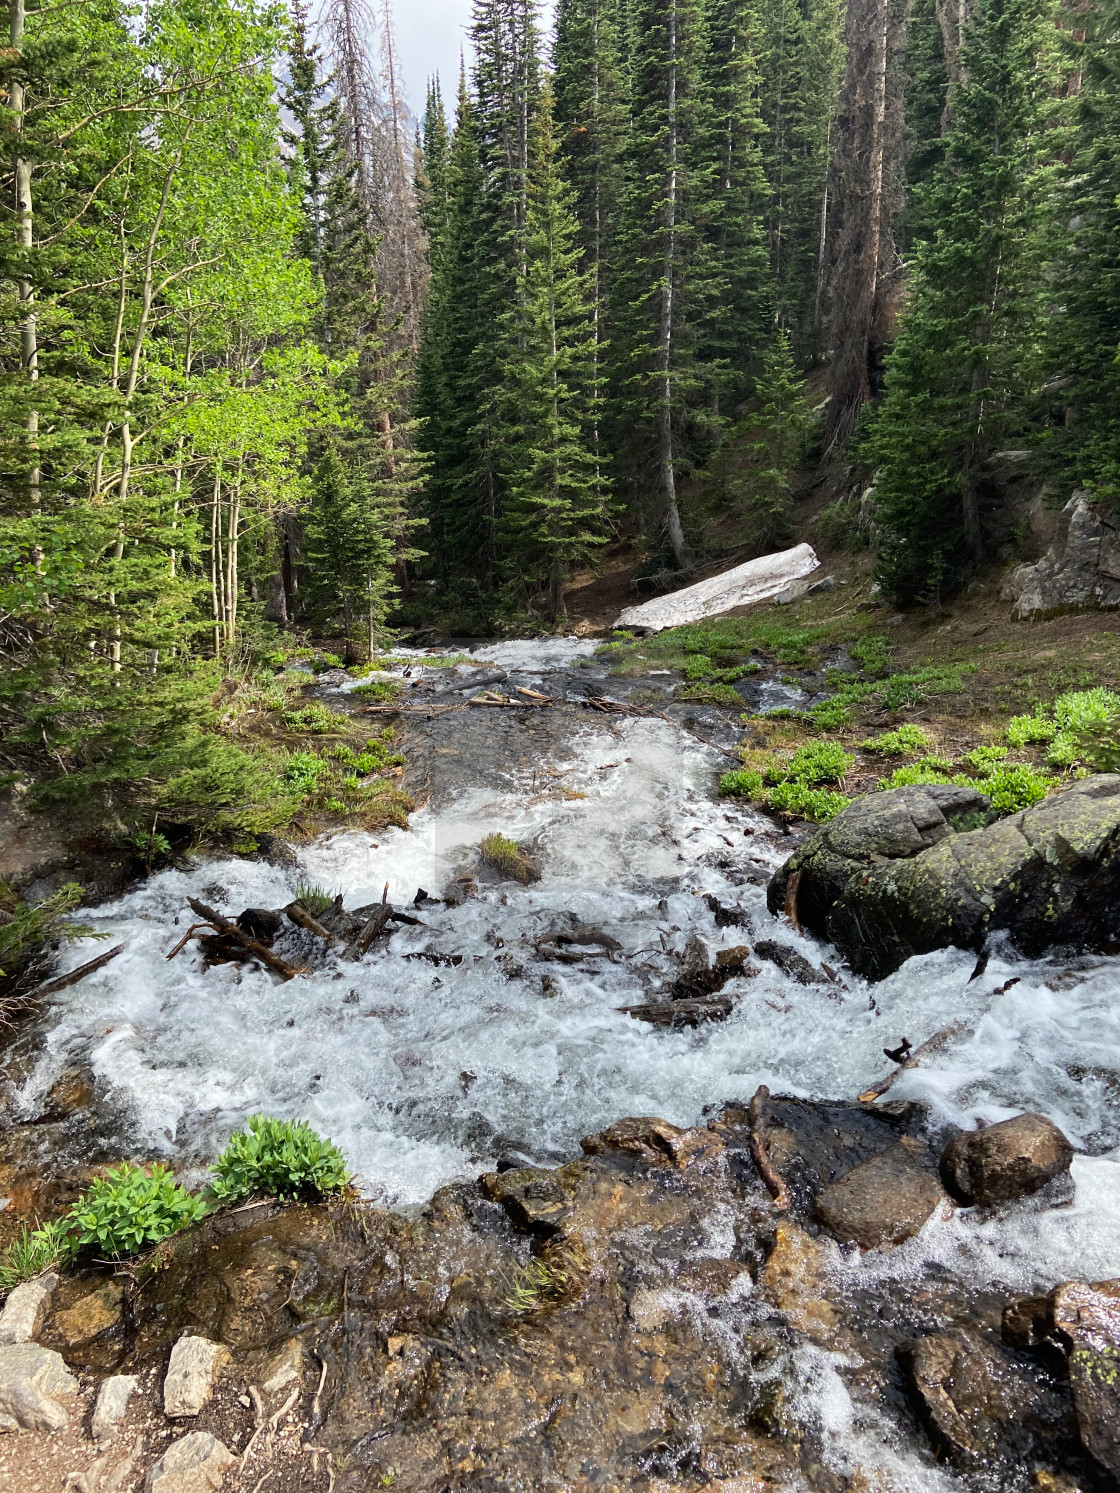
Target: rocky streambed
753,1290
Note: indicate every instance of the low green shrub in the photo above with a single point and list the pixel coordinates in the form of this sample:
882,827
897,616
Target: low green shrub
985,759
282,1158
383,691
814,763
698,666
816,804
34,1251
313,719
925,770
741,783
1079,713
1025,730
899,743
130,1209
1015,787
303,770
27,930
1099,744
837,526
873,652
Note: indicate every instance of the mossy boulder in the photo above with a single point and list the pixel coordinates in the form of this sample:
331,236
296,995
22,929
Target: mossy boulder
892,876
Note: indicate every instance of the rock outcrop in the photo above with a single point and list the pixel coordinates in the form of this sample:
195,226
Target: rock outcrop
1079,572
891,876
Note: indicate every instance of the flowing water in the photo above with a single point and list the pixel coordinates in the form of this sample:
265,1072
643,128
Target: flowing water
427,1071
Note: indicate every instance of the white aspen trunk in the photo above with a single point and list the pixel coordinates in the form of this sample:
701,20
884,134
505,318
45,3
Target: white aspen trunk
115,645
25,231
234,528
215,560
668,469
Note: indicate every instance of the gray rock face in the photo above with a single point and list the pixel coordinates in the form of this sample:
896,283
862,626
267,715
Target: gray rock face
30,1378
1010,1160
112,1402
193,1367
25,1308
884,1200
890,877
194,1464
1079,572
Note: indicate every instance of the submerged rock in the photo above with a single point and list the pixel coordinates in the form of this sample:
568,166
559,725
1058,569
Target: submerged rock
884,1200
1010,1160
890,876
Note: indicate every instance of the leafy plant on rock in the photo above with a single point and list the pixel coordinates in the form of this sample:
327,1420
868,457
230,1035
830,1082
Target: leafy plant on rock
282,1158
130,1209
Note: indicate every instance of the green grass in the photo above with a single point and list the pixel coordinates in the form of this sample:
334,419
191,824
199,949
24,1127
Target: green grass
507,857
316,899
314,719
33,1252
382,691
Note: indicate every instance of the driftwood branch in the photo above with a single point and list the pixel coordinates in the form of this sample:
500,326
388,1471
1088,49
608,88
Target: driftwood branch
939,1039
760,1153
303,919
259,950
63,982
373,926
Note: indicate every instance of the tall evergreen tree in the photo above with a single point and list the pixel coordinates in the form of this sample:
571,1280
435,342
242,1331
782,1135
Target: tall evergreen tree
655,382
736,306
555,515
967,346
800,61
591,93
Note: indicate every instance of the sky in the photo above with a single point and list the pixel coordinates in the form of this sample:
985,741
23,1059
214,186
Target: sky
430,35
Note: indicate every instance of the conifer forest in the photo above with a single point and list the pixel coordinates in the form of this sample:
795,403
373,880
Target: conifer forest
277,358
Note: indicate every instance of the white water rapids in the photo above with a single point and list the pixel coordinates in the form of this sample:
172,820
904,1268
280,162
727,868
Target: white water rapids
423,1073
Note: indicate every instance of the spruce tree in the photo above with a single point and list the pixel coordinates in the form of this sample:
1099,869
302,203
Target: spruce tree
735,296
655,384
967,346
555,515
591,94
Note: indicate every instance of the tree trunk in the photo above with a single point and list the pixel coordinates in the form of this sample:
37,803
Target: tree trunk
681,550
25,226
868,145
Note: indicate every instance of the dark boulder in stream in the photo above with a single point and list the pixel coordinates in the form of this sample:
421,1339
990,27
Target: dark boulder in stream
892,875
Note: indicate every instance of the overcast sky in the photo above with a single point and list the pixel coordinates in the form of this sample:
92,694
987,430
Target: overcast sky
430,35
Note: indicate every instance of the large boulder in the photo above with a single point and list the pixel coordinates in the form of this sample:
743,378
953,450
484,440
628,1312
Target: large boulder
1010,1160
891,876
1079,572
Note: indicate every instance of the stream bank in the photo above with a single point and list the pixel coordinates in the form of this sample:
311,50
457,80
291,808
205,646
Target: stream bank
698,1337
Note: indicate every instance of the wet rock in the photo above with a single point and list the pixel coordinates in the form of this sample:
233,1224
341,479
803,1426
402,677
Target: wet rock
261,923
91,1315
189,1384
789,961
795,1278
31,1378
980,1404
1082,1321
71,1091
111,1405
676,1014
1001,1162
727,917
25,1309
196,1463
884,1200
651,1140
537,1200
891,877
1079,572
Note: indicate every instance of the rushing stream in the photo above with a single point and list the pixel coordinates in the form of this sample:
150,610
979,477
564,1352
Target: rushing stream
426,1069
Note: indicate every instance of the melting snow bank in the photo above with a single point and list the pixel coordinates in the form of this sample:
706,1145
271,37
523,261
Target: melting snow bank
757,580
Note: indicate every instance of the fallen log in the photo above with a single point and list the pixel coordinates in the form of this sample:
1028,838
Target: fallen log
360,943
760,1152
682,1013
63,982
877,1090
252,946
304,919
